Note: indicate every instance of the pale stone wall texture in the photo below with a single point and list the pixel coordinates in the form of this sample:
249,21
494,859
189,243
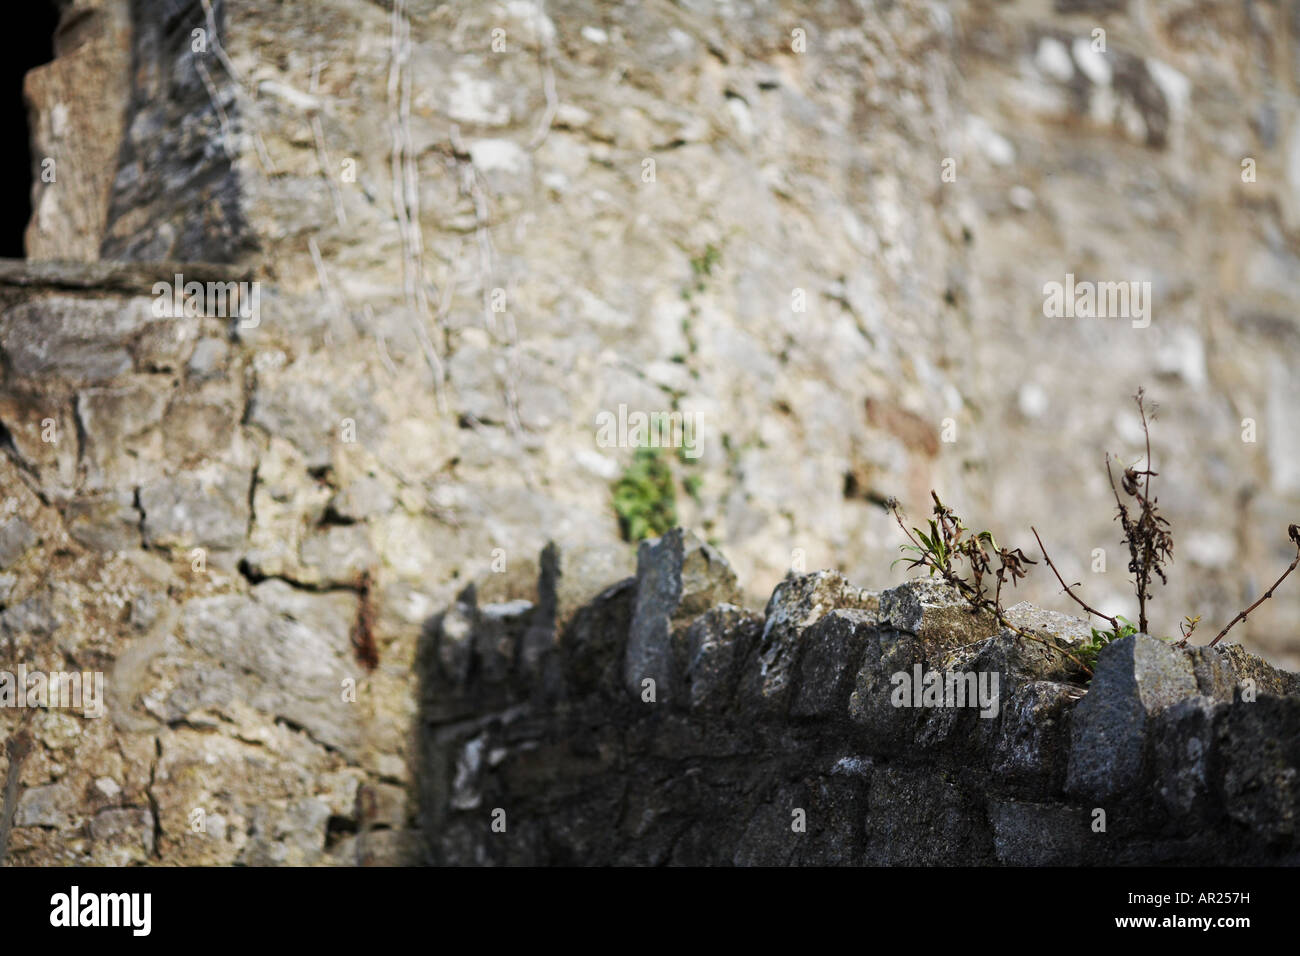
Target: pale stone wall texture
838,264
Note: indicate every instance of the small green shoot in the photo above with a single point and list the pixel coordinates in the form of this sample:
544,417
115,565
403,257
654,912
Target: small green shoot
644,499
1102,637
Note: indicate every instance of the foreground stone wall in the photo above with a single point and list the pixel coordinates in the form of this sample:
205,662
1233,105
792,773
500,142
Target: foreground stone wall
775,738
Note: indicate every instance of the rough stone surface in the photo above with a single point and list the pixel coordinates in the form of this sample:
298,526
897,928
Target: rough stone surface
935,612
716,646
16,536
383,416
798,602
677,575
796,184
83,97
1135,678
1139,767
207,509
833,648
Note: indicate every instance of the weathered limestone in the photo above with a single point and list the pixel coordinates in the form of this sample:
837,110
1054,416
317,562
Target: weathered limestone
81,98
853,301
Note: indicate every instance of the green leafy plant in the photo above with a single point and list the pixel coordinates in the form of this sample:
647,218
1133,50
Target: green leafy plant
702,265
949,544
644,497
692,484
1100,638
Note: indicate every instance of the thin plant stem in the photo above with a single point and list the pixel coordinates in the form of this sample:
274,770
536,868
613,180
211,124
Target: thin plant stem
1114,623
1266,595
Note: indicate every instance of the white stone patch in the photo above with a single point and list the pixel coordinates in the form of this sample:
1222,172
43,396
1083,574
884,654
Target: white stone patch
1129,429
864,238
596,463
1095,66
417,607
1053,59
596,311
1031,400
403,541
1102,106
1293,158
1175,87
47,212
465,793
941,17
295,98
1182,354
566,155
1021,198
498,155
472,100
1130,118
594,35
863,295
1040,99
541,27
58,120
852,766
568,114
506,609
216,826
681,39
741,116
991,143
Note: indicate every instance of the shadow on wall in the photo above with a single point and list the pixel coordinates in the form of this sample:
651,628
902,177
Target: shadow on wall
182,116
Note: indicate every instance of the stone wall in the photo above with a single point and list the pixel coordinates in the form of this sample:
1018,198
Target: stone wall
212,513
129,494
776,738
387,168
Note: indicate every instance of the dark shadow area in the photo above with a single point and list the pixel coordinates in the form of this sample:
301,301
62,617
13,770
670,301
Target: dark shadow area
187,179
27,44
